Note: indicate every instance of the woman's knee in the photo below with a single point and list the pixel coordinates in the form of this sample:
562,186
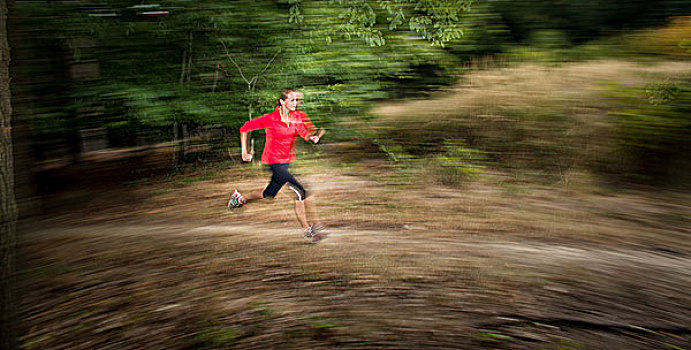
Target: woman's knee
300,192
270,192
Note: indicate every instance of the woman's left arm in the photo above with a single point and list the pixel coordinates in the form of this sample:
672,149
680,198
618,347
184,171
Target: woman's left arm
307,130
318,136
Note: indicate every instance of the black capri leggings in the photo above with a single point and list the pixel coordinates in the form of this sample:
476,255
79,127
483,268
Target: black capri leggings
279,177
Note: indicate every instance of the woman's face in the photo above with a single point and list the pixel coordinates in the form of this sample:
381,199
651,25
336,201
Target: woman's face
292,100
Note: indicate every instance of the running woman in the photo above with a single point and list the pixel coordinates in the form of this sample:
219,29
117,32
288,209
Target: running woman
281,127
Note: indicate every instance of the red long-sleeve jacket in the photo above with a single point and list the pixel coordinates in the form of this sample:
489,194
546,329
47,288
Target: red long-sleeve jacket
280,137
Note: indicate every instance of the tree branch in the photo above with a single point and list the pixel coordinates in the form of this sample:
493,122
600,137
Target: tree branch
268,64
236,65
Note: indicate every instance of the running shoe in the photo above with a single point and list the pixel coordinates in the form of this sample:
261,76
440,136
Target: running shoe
316,228
235,200
319,237
308,234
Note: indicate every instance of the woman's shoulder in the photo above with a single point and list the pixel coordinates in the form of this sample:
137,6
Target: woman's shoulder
301,115
271,115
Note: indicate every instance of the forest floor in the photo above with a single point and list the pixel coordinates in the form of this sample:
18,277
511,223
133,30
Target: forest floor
159,262
162,264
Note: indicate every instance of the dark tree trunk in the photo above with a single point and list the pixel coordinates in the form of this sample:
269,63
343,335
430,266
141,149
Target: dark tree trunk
8,206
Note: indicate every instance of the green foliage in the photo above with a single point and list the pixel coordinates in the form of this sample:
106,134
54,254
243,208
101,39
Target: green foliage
549,39
489,337
216,64
539,30
585,20
458,163
534,144
453,164
317,322
661,93
437,21
219,336
652,139
263,308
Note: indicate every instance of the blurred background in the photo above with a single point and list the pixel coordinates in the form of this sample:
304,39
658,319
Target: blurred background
490,167
89,79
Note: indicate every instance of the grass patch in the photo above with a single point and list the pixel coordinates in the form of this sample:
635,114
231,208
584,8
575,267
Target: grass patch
489,337
219,336
263,308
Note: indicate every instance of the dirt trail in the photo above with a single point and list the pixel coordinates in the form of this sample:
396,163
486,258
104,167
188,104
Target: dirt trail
251,286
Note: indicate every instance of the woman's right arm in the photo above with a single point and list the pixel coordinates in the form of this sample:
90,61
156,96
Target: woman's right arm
246,153
251,125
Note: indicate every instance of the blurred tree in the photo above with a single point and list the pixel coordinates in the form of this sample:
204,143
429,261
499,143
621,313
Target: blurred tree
586,19
438,21
8,207
160,70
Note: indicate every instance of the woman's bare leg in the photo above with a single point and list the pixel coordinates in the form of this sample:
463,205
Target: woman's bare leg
300,213
256,194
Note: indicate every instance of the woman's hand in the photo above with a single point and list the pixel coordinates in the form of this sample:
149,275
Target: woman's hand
314,139
247,156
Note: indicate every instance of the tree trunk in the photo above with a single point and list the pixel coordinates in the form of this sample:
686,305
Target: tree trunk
189,57
183,70
175,151
8,206
185,139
